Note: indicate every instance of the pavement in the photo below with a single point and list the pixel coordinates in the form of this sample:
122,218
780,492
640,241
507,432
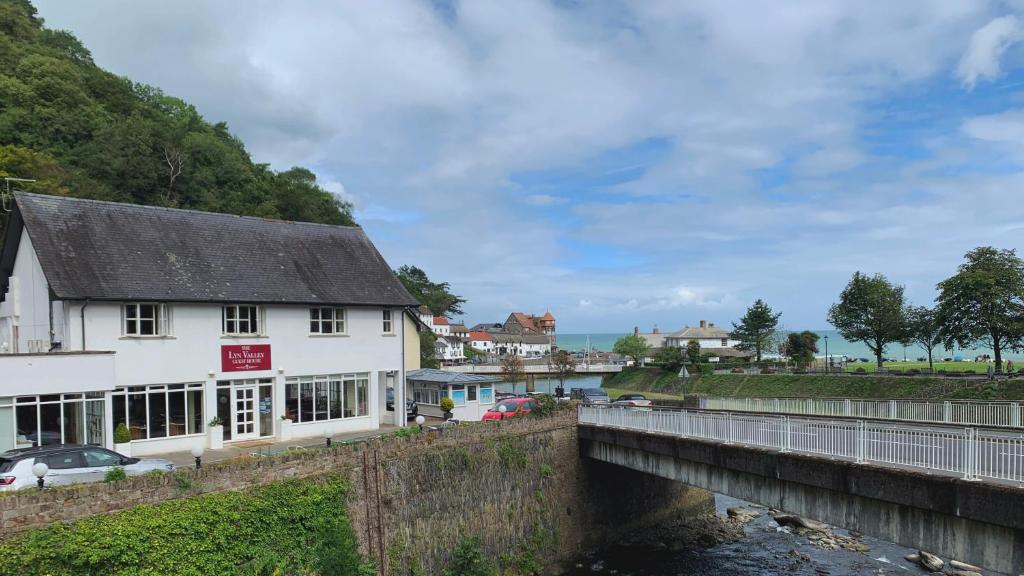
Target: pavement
184,459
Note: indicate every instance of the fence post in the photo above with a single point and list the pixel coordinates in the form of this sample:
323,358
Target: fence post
947,411
861,439
968,454
892,409
728,428
847,407
785,434
1015,414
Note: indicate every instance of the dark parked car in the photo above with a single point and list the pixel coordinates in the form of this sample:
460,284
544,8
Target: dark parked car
590,395
70,464
412,409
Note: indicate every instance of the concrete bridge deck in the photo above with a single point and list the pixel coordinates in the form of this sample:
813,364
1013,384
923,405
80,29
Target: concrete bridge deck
953,491
533,369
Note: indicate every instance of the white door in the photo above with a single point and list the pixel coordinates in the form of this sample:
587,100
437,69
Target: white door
245,414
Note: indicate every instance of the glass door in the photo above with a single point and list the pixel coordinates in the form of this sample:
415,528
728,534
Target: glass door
245,413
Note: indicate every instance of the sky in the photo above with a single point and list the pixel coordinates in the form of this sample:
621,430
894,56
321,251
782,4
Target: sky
619,163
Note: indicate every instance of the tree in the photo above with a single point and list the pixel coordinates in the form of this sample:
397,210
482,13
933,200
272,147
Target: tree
871,310
693,351
633,346
923,329
563,365
428,352
982,303
512,370
670,358
433,295
756,330
800,347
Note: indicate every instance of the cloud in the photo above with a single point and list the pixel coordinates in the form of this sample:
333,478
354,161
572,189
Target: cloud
544,200
795,141
986,48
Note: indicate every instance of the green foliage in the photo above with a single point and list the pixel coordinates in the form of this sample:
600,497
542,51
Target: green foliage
756,330
633,346
546,471
512,369
923,329
114,474
871,310
546,405
447,404
82,131
693,352
512,455
670,358
801,347
983,303
121,434
434,295
563,365
468,559
428,354
288,527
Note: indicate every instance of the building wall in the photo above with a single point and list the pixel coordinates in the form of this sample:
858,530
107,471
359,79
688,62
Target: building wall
412,343
26,302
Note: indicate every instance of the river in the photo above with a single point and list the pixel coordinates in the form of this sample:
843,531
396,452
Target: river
766,549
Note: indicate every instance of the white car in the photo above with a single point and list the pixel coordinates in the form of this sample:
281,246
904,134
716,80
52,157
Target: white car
69,464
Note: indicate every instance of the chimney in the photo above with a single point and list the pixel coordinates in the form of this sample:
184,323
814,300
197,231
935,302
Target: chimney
636,330
712,325
655,331
703,323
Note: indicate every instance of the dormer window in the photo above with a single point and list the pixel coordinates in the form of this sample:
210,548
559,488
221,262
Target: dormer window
142,319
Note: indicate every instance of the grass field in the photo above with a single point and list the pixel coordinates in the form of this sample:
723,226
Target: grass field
979,367
614,393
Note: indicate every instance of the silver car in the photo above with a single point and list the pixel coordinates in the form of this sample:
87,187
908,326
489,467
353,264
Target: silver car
69,464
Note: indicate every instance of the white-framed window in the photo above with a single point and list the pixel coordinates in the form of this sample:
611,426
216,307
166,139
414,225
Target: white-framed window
242,320
323,320
389,325
145,319
159,411
314,398
725,342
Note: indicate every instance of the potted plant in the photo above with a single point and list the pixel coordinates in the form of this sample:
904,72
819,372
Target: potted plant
216,432
122,440
284,433
447,404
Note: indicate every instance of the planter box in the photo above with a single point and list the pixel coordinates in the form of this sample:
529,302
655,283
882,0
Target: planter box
284,431
124,449
216,437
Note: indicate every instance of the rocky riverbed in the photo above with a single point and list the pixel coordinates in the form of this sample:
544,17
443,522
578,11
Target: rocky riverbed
748,539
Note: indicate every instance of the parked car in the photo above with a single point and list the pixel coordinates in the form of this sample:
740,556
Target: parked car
499,396
70,464
590,395
412,409
631,400
513,407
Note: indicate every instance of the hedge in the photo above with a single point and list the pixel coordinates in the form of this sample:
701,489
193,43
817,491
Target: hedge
287,527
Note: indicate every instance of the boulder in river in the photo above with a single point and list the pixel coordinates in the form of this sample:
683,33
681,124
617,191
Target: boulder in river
958,565
930,562
800,522
742,515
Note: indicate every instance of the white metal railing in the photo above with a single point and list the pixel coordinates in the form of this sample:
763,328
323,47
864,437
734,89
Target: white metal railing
948,412
969,452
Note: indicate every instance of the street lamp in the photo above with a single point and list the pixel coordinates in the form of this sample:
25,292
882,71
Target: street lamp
40,469
419,421
828,361
327,437
197,453
502,409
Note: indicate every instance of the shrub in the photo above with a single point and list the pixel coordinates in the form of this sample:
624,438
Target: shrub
114,474
121,434
860,370
469,560
291,527
546,405
447,404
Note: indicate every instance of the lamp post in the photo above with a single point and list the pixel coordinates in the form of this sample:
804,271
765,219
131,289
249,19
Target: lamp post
40,469
197,453
828,361
502,409
420,420
327,438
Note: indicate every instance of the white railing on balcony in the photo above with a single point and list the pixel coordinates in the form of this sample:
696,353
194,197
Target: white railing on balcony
972,453
948,412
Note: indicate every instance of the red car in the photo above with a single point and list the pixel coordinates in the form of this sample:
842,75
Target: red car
513,407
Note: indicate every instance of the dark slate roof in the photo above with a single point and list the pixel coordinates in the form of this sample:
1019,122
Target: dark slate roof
108,251
444,377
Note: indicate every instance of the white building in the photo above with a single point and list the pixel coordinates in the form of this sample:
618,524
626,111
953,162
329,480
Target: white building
472,394
526,345
481,342
441,326
163,320
450,350
707,335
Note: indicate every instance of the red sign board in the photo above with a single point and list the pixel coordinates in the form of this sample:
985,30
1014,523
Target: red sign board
237,358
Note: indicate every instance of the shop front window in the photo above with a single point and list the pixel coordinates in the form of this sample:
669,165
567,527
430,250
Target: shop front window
159,411
315,398
59,419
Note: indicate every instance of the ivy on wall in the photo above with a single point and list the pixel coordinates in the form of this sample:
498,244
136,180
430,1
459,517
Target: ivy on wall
288,527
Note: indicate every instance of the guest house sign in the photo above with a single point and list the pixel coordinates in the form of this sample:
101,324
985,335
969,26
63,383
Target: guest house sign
237,358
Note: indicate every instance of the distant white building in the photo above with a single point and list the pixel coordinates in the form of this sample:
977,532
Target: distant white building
711,338
441,326
482,342
526,345
450,350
